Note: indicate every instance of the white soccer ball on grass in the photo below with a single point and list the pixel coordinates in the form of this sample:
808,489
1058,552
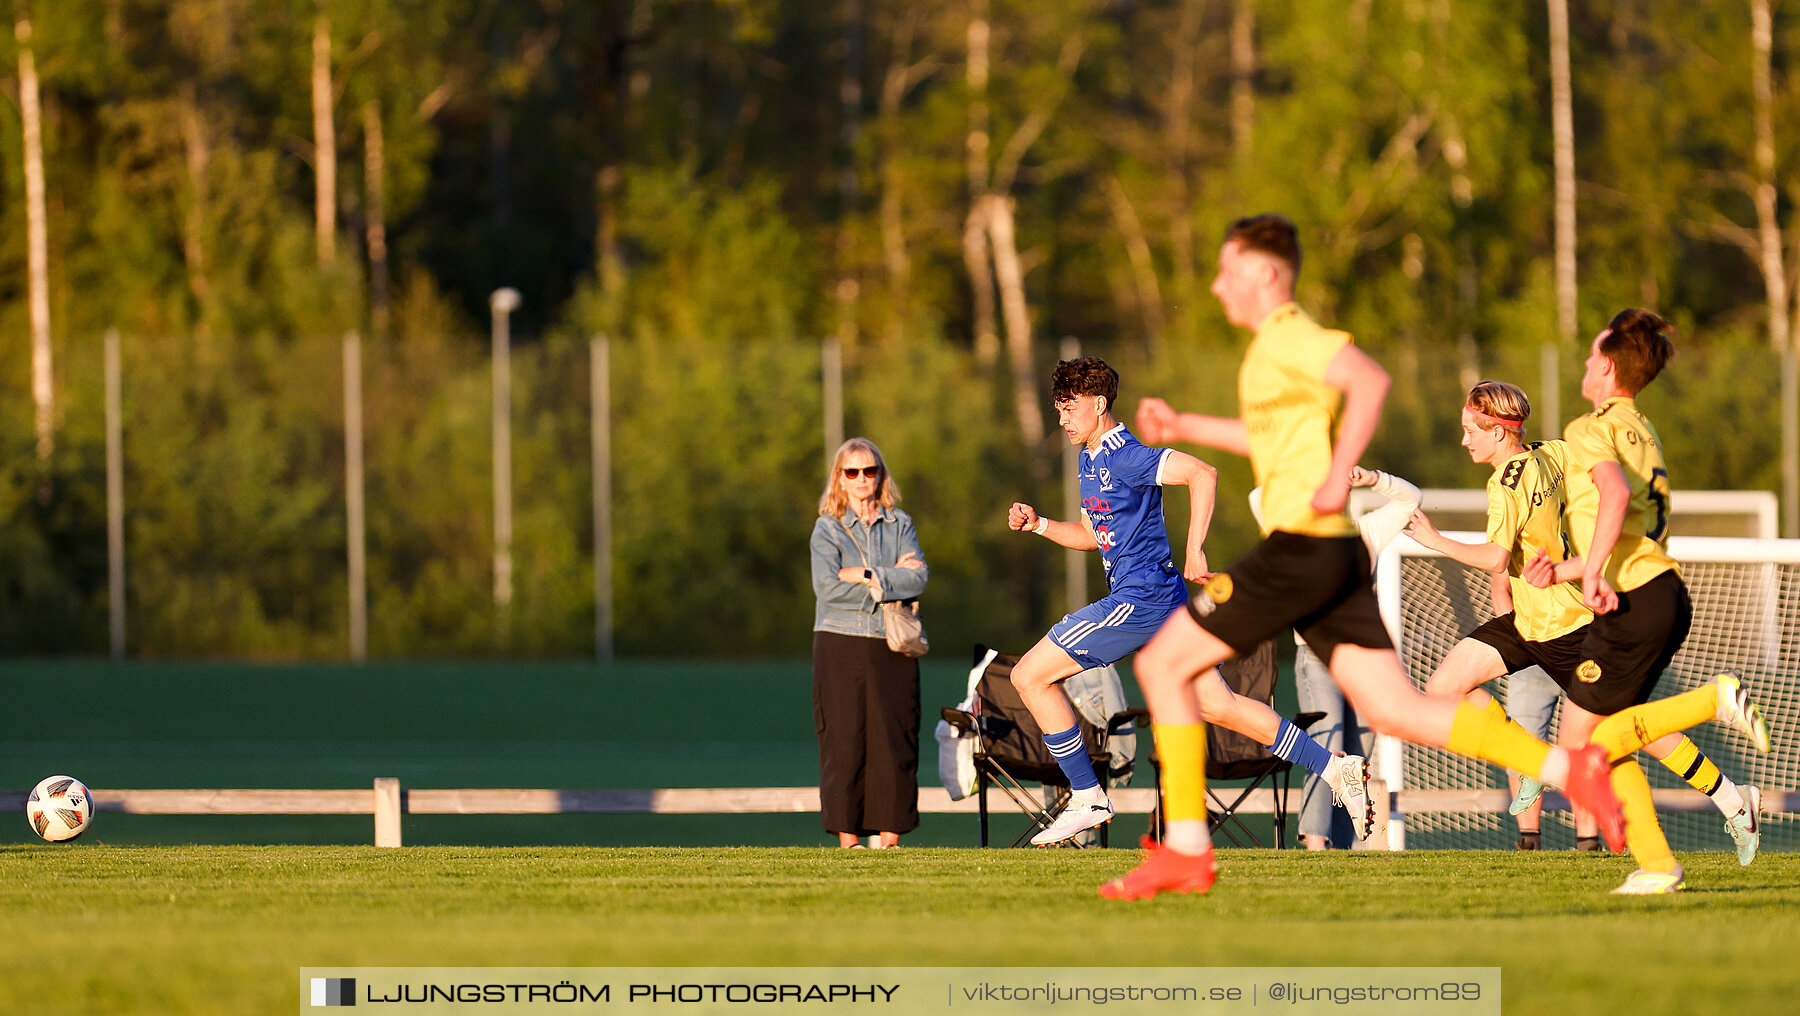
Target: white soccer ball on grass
59,808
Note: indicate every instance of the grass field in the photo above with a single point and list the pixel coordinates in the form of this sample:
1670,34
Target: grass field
225,929
217,914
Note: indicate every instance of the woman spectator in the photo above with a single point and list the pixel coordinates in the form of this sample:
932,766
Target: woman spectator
865,695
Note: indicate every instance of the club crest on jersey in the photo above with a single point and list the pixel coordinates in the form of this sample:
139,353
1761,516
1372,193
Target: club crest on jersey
1105,476
1588,672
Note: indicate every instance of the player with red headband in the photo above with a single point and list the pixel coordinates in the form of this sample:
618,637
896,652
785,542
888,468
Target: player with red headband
1526,499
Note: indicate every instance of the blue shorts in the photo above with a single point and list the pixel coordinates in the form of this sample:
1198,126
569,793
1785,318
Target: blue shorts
1109,629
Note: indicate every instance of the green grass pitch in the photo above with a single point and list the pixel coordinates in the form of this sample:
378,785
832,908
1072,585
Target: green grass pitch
217,914
92,928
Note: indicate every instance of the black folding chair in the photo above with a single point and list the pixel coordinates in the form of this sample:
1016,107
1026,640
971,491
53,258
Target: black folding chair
1010,749
1230,756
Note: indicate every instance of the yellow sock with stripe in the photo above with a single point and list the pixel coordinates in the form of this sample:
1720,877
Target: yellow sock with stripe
1628,730
1183,750
1691,764
1478,733
1643,834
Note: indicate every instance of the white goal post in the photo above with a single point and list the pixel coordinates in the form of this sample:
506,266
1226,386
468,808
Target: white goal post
1746,593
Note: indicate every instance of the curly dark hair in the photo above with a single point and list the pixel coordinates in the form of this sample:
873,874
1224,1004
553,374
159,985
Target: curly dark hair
1088,375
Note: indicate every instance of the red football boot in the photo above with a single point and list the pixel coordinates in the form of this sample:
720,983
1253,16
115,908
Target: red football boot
1164,870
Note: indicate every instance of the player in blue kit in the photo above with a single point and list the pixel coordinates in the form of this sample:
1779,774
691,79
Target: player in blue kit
1122,518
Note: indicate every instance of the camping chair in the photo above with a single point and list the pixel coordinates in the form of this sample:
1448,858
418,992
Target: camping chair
1009,747
1230,756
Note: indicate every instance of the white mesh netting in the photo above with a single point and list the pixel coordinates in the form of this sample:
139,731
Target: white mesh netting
1746,617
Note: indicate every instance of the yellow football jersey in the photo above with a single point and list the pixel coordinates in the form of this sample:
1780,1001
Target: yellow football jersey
1291,417
1617,432
1526,499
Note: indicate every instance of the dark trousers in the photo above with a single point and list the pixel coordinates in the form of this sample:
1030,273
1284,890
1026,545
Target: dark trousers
866,713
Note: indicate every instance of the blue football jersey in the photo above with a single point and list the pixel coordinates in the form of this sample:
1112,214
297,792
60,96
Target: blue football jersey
1123,505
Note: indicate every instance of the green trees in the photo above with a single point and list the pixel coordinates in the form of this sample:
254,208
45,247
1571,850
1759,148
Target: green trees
950,187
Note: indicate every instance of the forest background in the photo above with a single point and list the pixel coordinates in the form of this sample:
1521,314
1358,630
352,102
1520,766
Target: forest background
943,191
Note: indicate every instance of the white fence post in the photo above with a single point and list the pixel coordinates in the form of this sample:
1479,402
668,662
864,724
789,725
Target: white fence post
387,811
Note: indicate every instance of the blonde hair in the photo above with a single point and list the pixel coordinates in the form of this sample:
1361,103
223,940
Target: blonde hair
1499,404
835,499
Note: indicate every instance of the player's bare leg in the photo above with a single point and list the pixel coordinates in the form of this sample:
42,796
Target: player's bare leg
1036,677
1468,665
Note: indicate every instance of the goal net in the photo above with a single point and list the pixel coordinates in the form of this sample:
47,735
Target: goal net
1746,594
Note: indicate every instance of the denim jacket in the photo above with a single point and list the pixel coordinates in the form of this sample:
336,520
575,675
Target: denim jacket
847,608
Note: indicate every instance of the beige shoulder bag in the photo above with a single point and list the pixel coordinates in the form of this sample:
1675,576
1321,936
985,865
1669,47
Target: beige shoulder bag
905,629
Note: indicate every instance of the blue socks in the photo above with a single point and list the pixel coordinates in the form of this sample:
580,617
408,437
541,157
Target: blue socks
1291,743
1072,756
1296,746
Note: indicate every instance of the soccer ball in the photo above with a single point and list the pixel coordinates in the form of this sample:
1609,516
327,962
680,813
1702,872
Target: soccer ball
59,808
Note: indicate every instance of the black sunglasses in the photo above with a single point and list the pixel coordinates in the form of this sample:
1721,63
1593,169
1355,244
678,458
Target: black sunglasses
869,471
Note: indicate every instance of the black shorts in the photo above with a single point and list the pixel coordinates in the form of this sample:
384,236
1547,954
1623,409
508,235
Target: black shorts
1627,650
1317,585
1558,656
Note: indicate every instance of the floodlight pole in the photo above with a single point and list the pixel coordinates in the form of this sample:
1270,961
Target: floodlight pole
355,537
1562,130
1075,584
502,303
831,367
600,399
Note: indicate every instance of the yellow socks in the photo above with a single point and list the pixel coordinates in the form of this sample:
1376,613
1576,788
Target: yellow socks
1494,709
1479,733
1687,762
1183,750
1643,835
1626,731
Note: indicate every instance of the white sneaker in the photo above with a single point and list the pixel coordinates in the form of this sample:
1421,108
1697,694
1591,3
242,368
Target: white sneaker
1348,778
1737,711
1746,827
1652,883
1075,819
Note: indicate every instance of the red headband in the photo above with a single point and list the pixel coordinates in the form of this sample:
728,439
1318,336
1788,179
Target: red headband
1492,420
